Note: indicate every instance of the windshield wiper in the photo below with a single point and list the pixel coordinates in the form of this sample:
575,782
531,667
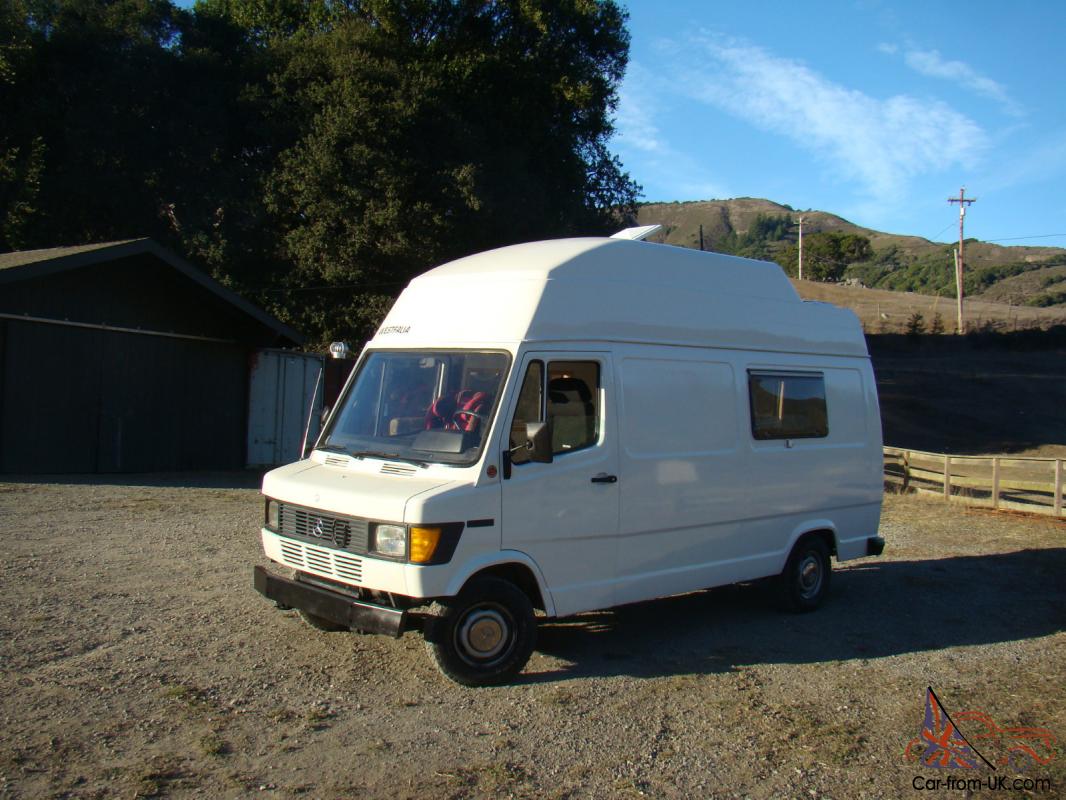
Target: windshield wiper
332,448
393,456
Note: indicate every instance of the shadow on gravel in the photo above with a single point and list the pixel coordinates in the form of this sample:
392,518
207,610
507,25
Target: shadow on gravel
874,609
237,479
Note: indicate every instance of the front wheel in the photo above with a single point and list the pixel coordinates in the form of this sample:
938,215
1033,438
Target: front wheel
485,635
805,579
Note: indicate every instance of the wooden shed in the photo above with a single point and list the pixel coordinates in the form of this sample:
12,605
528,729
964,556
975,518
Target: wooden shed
123,357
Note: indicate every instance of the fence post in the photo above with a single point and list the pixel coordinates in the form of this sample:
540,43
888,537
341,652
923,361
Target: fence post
1058,487
995,482
906,471
947,477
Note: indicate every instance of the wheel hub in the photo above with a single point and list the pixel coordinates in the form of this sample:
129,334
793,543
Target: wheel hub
810,575
483,633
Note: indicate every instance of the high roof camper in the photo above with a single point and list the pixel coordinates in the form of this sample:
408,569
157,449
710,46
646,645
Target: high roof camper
570,425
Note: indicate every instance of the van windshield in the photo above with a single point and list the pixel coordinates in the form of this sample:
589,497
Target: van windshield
419,406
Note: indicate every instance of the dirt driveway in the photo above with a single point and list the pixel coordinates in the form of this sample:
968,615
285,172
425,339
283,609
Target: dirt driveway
136,661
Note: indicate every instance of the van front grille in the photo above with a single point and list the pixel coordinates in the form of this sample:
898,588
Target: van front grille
343,533
320,561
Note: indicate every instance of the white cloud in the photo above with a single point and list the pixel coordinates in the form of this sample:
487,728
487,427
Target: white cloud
881,143
634,120
637,132
888,48
931,64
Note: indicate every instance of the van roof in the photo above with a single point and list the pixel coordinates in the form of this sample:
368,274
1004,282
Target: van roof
600,289
622,261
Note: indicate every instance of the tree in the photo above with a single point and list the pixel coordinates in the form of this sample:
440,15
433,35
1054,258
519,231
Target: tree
127,119
915,324
826,255
314,154
431,130
757,240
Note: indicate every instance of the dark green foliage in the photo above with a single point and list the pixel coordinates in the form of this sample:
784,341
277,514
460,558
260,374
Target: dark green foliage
137,110
978,280
1046,299
915,324
826,255
758,240
936,327
314,154
935,274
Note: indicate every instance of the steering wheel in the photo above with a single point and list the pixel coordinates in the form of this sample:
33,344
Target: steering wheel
459,415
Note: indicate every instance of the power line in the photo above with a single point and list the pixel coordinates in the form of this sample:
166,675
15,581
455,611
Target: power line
1016,238
941,231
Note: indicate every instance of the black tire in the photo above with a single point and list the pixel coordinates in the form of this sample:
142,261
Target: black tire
485,635
320,623
805,579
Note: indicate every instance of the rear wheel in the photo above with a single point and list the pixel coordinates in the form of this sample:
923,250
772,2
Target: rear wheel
485,635
805,579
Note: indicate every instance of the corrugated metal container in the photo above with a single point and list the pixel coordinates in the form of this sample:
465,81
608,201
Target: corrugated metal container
285,390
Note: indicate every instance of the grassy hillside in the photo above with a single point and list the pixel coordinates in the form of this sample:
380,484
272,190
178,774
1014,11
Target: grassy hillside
720,217
882,311
1013,276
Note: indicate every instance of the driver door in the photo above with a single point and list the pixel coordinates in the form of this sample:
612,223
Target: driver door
564,515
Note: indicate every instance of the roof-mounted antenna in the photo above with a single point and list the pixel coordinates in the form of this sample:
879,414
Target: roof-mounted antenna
637,234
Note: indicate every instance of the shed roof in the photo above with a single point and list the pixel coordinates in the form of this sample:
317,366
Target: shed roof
31,264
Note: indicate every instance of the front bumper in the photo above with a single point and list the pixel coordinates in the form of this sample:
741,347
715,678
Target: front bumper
875,545
337,608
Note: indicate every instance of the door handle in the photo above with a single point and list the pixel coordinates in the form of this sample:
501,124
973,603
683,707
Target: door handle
603,477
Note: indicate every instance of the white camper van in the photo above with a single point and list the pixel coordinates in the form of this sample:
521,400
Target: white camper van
570,425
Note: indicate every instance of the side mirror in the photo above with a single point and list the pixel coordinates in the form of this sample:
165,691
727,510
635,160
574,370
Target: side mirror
539,435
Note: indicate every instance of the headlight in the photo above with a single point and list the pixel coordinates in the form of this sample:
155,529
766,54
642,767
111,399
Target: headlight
273,514
390,540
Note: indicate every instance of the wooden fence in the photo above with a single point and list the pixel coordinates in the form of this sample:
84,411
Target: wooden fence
1018,484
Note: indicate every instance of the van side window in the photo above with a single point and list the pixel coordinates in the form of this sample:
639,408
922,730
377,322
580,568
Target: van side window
573,404
530,409
787,406
567,396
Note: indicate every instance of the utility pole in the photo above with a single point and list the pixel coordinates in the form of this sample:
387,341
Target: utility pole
963,201
801,249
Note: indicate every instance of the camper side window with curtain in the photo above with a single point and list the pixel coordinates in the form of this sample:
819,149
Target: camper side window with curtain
787,406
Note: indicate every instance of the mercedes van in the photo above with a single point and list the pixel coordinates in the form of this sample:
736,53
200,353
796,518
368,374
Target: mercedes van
562,426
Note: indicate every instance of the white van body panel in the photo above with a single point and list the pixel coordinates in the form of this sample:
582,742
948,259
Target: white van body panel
585,290
554,512
486,561
698,501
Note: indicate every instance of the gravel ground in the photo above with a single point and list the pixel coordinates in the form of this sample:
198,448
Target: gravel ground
137,661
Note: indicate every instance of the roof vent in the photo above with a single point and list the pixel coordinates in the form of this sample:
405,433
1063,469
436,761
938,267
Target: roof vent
637,234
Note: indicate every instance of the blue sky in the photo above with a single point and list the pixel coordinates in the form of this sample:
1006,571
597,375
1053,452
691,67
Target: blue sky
876,111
